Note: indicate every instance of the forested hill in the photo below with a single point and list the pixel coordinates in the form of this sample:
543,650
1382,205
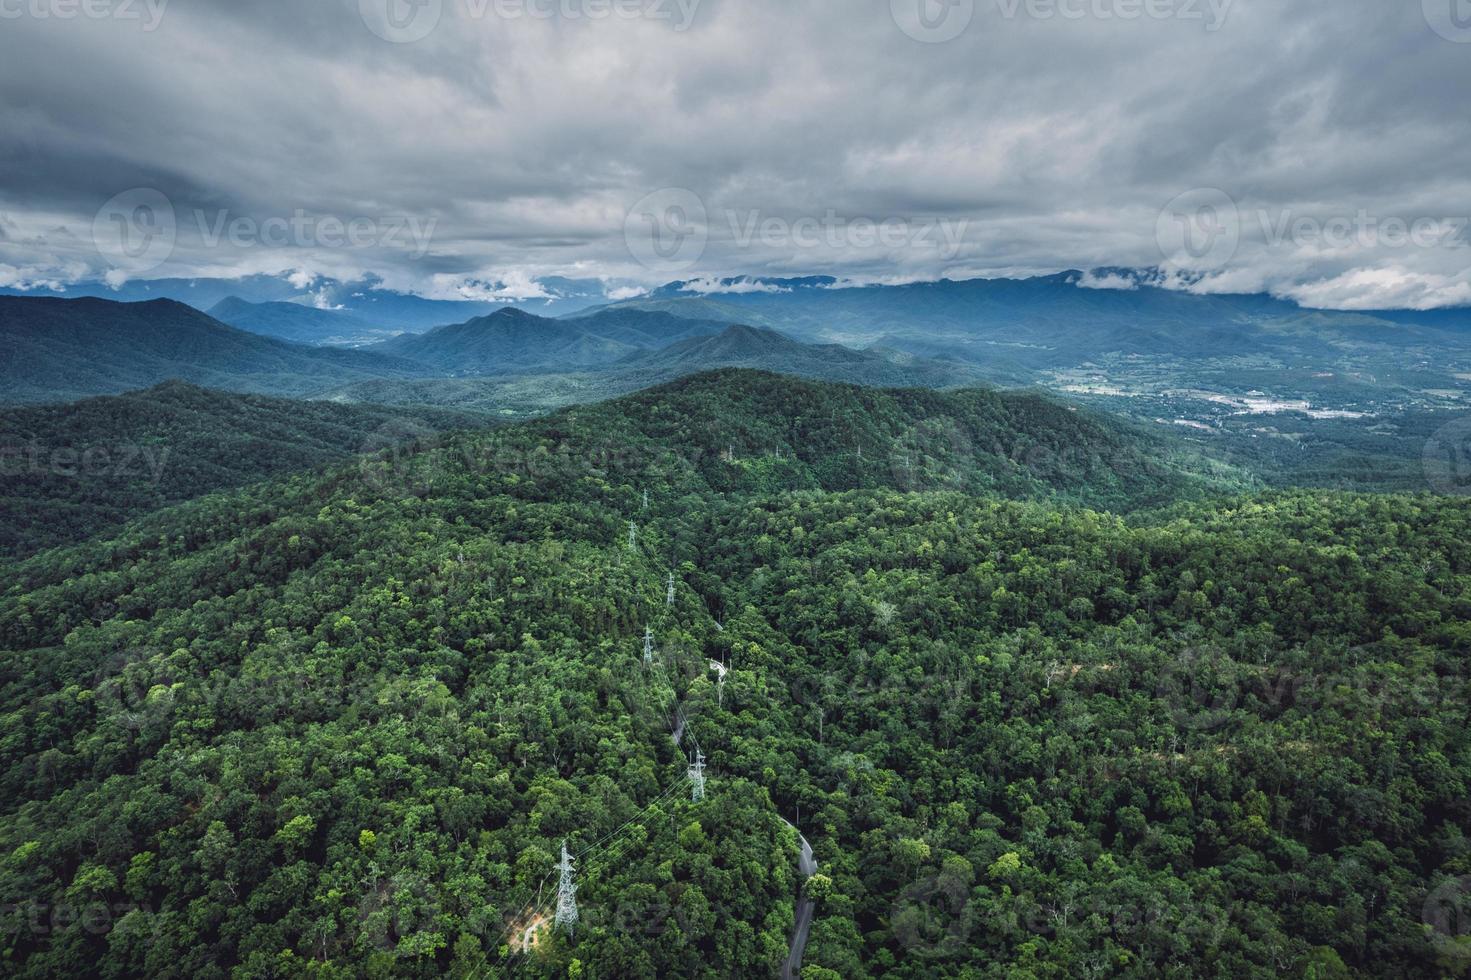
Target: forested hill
70,471
59,349
342,724
746,431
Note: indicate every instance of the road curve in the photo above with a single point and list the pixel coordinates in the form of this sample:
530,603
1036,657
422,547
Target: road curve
808,865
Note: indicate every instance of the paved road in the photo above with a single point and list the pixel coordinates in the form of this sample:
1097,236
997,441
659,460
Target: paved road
808,865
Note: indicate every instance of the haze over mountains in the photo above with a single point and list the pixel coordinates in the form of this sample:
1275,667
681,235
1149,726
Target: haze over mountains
1154,352
64,349
299,323
367,298
1036,322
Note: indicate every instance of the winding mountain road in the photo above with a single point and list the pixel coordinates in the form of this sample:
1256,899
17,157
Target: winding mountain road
805,908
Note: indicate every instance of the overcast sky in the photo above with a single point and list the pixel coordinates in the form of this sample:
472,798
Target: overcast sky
1318,148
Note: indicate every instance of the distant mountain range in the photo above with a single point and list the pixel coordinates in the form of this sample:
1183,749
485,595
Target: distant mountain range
366,299
1017,327
299,323
66,349
1058,331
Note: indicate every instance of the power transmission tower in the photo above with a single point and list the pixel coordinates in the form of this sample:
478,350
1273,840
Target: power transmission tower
648,647
697,777
632,536
669,600
646,500
566,894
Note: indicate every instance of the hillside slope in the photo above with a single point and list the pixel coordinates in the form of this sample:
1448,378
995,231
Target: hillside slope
70,471
345,722
511,341
60,350
524,395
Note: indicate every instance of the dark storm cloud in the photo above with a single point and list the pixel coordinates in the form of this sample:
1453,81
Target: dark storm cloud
515,136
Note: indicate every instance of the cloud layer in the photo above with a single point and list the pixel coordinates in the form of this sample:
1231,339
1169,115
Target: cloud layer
1316,149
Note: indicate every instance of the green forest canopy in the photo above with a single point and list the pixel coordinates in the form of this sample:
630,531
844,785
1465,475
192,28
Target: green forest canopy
340,723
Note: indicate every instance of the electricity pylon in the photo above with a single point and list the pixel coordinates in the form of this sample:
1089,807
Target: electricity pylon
648,647
566,894
669,599
697,777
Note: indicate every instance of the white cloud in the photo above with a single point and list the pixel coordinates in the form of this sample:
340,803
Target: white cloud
516,286
1112,280
710,286
1383,289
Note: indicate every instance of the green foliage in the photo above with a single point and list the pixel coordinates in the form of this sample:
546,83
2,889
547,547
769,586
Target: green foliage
340,724
68,472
